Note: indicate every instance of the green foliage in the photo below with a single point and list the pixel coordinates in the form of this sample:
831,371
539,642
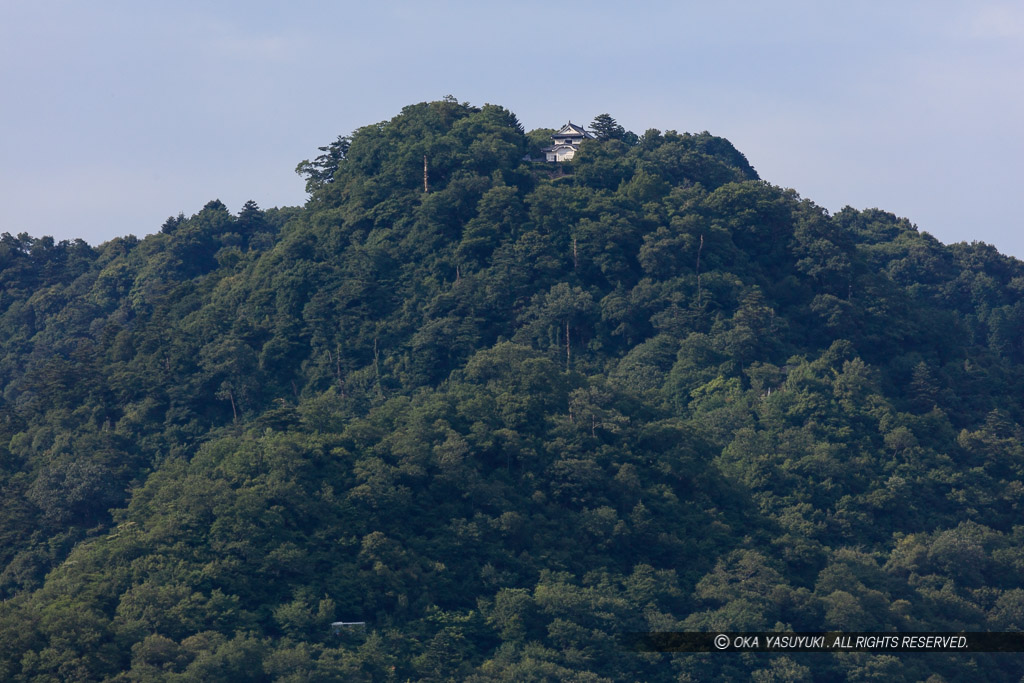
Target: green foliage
606,128
503,420
322,169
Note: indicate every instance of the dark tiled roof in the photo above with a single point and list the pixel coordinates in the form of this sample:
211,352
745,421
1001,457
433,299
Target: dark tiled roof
552,148
577,130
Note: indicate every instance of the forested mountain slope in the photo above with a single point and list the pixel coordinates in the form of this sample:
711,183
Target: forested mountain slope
503,421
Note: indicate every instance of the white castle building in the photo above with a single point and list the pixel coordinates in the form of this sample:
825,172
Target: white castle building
566,141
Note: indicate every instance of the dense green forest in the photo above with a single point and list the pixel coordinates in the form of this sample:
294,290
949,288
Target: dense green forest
504,420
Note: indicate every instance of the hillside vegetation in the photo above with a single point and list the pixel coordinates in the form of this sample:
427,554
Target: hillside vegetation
505,420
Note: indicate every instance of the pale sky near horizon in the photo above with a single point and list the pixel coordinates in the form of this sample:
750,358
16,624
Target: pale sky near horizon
117,114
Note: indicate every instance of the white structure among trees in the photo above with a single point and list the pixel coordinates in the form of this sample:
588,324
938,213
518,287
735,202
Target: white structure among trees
566,141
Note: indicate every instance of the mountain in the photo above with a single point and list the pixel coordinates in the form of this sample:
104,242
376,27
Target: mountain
504,411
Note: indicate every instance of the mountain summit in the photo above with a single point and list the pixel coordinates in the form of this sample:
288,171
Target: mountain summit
504,411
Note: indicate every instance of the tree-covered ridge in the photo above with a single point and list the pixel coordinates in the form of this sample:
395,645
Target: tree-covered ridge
503,420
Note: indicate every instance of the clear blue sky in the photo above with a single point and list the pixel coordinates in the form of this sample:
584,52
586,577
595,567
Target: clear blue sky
117,114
